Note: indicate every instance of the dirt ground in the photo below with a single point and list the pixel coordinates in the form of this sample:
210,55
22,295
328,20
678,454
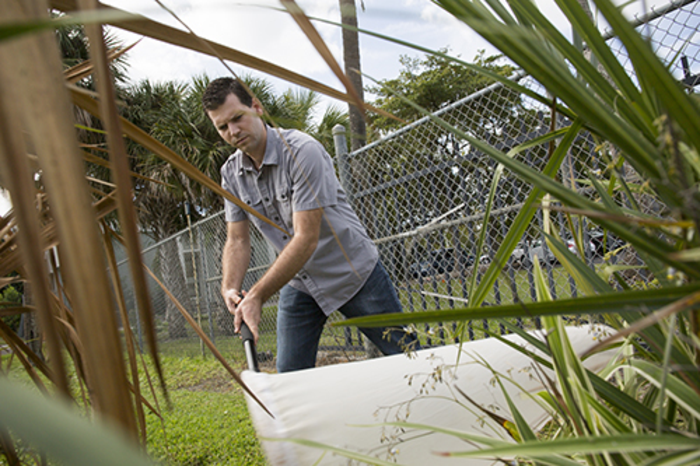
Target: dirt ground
221,382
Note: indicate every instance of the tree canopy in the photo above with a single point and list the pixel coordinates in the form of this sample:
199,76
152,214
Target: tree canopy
172,113
431,82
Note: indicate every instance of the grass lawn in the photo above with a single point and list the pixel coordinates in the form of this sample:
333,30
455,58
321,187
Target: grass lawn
208,423
204,428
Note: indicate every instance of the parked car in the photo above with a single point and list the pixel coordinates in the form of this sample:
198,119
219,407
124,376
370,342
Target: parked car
538,248
519,258
572,247
440,261
420,269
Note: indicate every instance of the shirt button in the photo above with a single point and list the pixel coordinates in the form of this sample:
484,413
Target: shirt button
277,219
303,277
267,199
284,237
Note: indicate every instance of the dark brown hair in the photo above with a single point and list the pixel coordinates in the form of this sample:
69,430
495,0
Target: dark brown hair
216,92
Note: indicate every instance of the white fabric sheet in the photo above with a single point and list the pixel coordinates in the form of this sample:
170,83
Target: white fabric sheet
334,404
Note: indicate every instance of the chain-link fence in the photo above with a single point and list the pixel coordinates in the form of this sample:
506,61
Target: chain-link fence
188,264
421,192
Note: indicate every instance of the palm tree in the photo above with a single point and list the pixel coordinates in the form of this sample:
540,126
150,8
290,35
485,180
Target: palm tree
323,130
294,109
351,58
75,50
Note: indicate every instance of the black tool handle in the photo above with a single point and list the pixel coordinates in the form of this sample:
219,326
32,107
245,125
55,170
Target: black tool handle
249,346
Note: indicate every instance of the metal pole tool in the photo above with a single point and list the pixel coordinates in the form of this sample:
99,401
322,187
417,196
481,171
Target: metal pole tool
249,347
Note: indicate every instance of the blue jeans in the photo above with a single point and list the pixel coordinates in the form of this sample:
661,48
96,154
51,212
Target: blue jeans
300,321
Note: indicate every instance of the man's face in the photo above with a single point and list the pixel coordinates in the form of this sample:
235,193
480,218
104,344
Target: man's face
241,126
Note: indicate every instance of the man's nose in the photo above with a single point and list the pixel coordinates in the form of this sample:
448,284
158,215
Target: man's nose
232,128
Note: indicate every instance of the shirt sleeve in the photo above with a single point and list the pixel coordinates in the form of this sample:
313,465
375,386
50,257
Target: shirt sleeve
232,212
314,183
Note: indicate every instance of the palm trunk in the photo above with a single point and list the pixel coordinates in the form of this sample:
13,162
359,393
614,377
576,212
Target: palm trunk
351,58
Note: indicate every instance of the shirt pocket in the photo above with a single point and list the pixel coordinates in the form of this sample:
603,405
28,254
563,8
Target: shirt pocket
285,205
253,200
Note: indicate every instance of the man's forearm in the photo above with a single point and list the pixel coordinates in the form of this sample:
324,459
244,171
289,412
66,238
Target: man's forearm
234,264
288,264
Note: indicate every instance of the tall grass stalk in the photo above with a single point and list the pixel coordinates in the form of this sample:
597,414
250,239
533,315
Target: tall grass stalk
639,412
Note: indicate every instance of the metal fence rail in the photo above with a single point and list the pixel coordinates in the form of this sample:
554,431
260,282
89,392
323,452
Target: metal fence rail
420,191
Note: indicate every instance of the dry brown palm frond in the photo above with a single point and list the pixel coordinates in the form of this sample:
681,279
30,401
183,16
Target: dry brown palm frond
209,343
10,254
4,221
28,358
146,27
101,182
70,338
8,448
130,341
5,281
15,310
21,187
128,335
119,164
104,163
85,69
42,107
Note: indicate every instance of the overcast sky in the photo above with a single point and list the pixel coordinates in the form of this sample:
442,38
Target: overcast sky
257,28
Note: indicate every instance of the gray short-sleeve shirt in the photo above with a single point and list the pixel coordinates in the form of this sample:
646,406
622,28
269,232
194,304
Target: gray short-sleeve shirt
297,174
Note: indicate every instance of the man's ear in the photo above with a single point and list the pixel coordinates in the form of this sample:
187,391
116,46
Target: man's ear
257,107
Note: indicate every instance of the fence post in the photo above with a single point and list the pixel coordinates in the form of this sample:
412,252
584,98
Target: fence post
341,155
188,209
204,282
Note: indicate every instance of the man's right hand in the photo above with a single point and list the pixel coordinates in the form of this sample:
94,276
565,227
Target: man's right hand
248,310
232,298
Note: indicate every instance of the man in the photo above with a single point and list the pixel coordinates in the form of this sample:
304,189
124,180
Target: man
326,261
